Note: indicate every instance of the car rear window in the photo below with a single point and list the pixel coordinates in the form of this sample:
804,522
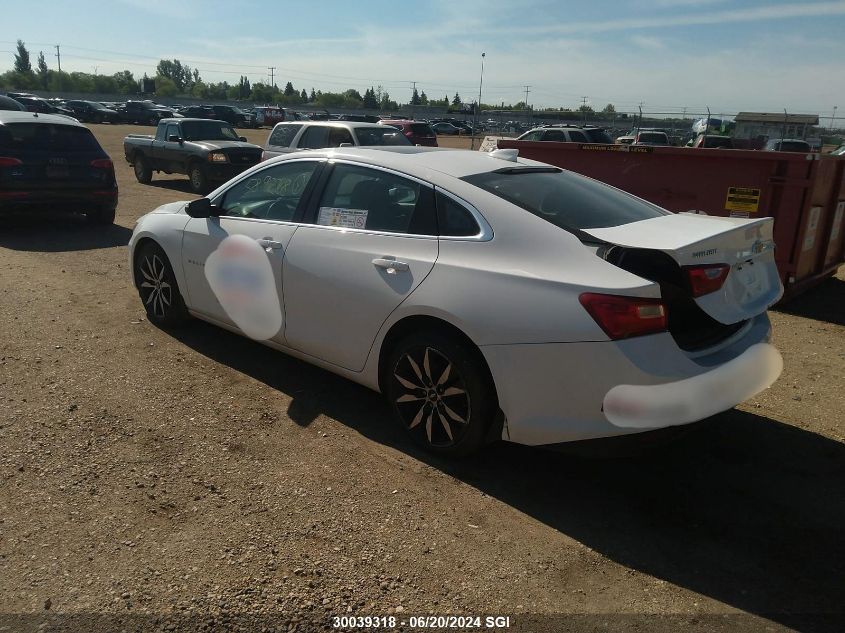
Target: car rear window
794,146
421,129
380,135
283,135
652,137
52,136
565,199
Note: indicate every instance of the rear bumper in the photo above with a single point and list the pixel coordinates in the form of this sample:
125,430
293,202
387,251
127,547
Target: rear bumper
66,200
564,392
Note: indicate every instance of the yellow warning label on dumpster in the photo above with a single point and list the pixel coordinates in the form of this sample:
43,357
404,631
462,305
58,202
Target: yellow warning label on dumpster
743,199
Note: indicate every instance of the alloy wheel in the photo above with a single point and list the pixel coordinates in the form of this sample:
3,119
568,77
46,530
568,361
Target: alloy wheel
433,400
156,291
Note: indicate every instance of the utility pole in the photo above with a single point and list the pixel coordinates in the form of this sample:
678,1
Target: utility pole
527,111
272,70
59,57
478,105
833,118
584,108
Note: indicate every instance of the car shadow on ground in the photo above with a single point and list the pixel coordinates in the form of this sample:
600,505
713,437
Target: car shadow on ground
743,509
54,233
825,302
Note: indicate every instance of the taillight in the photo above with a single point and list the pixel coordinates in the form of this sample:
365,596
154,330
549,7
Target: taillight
623,317
706,278
102,163
8,162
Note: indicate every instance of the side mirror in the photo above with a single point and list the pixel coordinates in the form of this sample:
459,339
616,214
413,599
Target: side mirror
202,208
173,138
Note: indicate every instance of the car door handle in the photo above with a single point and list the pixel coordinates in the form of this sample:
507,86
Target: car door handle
390,265
269,243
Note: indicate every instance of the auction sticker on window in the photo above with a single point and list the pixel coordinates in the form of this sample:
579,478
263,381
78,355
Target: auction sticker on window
344,218
743,199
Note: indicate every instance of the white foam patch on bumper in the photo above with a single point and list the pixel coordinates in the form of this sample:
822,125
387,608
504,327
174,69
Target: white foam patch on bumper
241,277
692,399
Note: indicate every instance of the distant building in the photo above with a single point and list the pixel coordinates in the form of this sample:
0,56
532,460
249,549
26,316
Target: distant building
767,125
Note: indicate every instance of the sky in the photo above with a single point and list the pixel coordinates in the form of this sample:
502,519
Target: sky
728,55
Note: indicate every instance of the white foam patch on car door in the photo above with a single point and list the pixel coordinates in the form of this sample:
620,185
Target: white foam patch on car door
241,277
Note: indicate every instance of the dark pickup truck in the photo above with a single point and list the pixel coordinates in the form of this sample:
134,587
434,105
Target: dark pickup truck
207,151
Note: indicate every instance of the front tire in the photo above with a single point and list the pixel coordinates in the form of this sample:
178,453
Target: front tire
198,179
143,171
157,286
441,393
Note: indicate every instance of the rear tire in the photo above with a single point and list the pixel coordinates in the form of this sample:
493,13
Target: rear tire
143,171
157,286
441,393
198,179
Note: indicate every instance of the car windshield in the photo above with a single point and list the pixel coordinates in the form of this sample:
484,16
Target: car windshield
565,199
208,131
51,136
380,136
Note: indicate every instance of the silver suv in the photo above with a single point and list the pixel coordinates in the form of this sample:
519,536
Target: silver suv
567,134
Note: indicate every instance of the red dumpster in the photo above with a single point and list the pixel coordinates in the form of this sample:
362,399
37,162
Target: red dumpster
804,193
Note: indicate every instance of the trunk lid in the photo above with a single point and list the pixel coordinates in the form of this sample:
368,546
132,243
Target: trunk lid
752,283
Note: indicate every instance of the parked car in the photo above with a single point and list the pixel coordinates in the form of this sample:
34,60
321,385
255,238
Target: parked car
359,118
294,136
712,141
145,112
652,137
233,115
270,115
625,139
591,314
446,128
787,145
206,151
8,103
42,106
51,162
198,112
93,112
558,134
418,132
839,151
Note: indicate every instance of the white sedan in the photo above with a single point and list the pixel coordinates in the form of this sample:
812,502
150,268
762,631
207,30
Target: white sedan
485,295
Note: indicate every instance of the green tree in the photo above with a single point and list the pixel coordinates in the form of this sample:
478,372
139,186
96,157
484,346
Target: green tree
423,98
22,63
166,87
303,96
125,82
289,89
370,101
177,72
415,98
199,90
313,96
609,110
42,70
456,101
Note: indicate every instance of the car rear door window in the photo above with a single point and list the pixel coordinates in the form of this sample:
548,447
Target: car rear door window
577,137
283,134
314,137
273,193
453,219
340,135
554,135
363,198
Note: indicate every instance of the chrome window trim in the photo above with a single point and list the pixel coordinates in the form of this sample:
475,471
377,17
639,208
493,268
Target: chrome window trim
485,233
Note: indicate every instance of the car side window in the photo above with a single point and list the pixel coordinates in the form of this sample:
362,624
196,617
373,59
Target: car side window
283,135
340,135
363,198
554,135
273,193
314,137
532,136
453,219
172,130
577,137
161,133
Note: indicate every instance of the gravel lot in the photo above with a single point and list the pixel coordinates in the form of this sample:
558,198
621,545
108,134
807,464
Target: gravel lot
194,479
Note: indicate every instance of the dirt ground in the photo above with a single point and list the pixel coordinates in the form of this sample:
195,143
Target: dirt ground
192,480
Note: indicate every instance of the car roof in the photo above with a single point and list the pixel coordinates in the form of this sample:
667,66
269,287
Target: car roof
420,161
343,124
16,116
189,119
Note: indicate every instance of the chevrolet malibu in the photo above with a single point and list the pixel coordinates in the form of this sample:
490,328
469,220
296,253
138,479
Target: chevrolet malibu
484,295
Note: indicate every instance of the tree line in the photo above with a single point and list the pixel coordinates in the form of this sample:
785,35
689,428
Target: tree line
174,79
